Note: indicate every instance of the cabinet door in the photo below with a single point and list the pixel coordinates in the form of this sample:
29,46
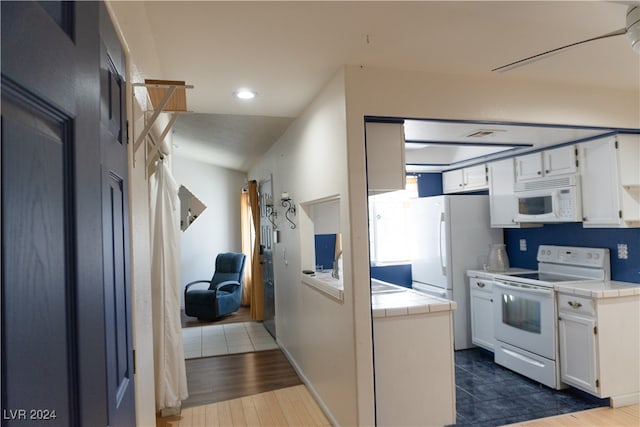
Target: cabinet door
600,187
560,161
475,177
385,157
577,351
452,181
529,167
481,314
502,201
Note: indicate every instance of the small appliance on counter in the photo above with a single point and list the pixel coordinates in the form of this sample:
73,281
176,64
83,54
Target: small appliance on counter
498,261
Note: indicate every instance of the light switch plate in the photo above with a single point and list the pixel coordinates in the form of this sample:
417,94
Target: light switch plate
523,245
623,251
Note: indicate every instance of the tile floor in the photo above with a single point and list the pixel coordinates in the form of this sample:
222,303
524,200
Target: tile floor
490,395
231,338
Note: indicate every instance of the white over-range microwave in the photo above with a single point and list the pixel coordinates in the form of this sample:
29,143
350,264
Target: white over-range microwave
554,199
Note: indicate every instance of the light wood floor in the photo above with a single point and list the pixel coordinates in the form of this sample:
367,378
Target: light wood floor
618,417
292,406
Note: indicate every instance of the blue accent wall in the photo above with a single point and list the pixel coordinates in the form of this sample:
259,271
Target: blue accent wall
429,184
572,234
325,250
399,274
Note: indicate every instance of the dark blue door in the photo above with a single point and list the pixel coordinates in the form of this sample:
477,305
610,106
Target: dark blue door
56,304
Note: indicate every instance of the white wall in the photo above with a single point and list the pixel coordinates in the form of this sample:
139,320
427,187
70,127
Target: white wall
316,331
385,92
217,229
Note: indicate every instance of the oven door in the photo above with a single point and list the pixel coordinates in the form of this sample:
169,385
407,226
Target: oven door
524,317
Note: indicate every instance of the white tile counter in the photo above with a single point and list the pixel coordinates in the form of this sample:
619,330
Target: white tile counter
407,302
606,289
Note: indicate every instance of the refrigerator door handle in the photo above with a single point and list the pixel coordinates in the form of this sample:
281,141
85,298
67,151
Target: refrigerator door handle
443,263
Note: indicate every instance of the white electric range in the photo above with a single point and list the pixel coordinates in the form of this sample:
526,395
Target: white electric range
525,314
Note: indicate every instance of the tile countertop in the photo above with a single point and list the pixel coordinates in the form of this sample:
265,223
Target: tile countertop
606,289
407,302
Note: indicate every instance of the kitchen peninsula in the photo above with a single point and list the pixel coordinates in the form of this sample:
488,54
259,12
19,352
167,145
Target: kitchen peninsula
413,356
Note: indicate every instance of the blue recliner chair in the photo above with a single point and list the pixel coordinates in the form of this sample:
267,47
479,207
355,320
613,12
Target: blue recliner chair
224,293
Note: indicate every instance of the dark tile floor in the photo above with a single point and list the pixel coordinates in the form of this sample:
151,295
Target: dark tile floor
490,395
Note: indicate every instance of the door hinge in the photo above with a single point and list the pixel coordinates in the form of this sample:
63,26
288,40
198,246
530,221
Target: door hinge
134,362
577,162
616,144
595,330
597,383
126,131
620,214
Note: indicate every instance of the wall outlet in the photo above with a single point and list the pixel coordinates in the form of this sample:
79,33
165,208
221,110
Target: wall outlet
523,245
623,251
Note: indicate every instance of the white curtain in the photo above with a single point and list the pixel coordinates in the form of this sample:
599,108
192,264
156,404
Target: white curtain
170,374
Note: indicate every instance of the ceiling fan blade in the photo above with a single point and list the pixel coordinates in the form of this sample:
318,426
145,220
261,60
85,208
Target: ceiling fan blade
542,55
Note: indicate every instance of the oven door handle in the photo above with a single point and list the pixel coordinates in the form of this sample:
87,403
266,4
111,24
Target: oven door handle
515,286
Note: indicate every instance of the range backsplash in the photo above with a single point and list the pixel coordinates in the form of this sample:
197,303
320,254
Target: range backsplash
572,234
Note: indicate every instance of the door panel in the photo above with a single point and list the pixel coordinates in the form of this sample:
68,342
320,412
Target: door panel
37,282
115,217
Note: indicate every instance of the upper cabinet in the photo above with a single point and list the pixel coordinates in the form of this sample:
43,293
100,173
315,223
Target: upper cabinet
557,161
502,201
385,157
610,174
473,178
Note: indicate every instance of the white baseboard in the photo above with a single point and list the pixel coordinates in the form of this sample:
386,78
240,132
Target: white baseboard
624,400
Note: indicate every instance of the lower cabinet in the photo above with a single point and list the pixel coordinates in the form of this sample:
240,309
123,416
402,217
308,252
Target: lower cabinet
599,340
481,294
578,351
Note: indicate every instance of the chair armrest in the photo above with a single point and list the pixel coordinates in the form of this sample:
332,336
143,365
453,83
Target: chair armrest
232,283
186,288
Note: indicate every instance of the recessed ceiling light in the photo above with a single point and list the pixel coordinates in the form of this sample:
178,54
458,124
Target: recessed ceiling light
245,94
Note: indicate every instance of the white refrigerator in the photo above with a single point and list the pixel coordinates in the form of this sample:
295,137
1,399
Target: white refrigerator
452,235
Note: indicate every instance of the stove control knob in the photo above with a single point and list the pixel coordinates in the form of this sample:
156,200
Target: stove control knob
589,255
597,256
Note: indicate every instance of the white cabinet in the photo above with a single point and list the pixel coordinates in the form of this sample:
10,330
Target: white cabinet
557,161
502,201
481,294
610,175
473,178
576,337
599,342
452,181
385,157
560,161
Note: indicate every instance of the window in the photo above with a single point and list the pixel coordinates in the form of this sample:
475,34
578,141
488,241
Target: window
389,228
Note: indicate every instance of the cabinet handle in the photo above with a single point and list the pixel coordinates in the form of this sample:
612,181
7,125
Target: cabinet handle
574,304
480,285
539,172
546,171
